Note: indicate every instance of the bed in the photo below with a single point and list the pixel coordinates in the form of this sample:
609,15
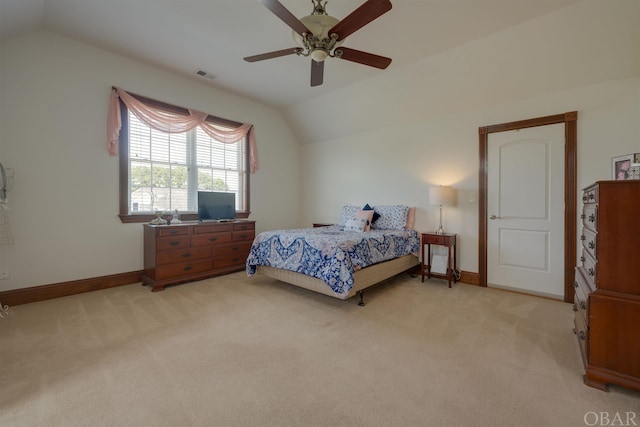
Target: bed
340,260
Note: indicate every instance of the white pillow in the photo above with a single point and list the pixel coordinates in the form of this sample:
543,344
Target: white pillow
348,212
355,224
392,217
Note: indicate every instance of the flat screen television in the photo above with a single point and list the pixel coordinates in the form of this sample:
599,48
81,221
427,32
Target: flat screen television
215,206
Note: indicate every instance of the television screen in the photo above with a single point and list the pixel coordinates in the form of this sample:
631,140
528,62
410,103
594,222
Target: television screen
214,206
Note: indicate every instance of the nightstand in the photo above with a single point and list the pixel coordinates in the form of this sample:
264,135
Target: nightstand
447,240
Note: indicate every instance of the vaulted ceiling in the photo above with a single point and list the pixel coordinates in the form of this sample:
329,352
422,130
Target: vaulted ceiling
448,55
214,36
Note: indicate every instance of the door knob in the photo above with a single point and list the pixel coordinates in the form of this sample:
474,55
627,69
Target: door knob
493,217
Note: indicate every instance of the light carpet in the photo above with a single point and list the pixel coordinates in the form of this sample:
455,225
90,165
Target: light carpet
239,351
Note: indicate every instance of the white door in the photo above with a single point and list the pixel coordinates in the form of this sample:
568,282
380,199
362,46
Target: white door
525,204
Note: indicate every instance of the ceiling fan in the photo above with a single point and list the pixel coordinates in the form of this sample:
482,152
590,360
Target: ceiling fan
320,35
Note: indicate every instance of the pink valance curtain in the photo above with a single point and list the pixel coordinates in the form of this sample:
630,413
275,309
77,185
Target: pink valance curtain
173,123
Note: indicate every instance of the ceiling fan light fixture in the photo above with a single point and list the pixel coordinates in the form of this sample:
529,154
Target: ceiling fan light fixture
319,55
319,23
320,36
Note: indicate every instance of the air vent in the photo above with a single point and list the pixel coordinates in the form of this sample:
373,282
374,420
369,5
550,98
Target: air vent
204,74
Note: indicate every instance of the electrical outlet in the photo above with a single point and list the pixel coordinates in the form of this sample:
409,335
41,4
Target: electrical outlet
4,275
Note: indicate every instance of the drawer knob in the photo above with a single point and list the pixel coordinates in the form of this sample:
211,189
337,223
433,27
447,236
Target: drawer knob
187,255
187,268
213,239
174,242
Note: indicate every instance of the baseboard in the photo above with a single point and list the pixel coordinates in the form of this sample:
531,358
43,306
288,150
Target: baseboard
469,278
63,289
57,290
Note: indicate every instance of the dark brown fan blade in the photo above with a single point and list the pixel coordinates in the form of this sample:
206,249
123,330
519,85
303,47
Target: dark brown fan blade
273,54
317,73
287,17
364,58
360,17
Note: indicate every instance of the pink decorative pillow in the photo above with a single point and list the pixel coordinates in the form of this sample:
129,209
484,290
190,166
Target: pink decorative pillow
368,215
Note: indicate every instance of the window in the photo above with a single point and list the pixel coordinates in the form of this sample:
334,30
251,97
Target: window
162,171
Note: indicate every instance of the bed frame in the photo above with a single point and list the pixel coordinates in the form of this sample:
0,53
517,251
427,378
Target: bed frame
363,278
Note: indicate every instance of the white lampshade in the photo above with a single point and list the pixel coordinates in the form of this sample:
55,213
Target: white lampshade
443,195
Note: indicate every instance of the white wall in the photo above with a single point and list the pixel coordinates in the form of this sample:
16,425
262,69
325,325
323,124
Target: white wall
382,141
393,136
586,43
53,106
398,164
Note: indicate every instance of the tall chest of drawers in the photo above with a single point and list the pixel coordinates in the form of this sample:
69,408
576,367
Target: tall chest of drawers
607,285
194,251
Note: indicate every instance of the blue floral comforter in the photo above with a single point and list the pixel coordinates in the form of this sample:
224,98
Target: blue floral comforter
328,253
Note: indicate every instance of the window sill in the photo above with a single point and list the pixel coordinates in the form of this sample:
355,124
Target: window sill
144,218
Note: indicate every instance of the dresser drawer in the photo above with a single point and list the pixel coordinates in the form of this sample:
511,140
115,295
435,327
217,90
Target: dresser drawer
590,216
170,271
181,255
214,227
238,259
433,239
589,240
590,195
210,238
589,269
582,292
244,236
172,242
581,334
582,282
243,226
173,231
232,249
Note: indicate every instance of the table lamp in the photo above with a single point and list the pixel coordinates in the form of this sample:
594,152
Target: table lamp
442,195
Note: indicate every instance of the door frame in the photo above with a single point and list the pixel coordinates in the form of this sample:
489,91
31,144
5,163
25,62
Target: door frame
570,120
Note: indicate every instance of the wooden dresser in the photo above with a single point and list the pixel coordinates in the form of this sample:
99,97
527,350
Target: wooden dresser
607,285
193,251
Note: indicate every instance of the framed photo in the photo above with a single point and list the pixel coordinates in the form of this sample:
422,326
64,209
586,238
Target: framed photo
621,166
